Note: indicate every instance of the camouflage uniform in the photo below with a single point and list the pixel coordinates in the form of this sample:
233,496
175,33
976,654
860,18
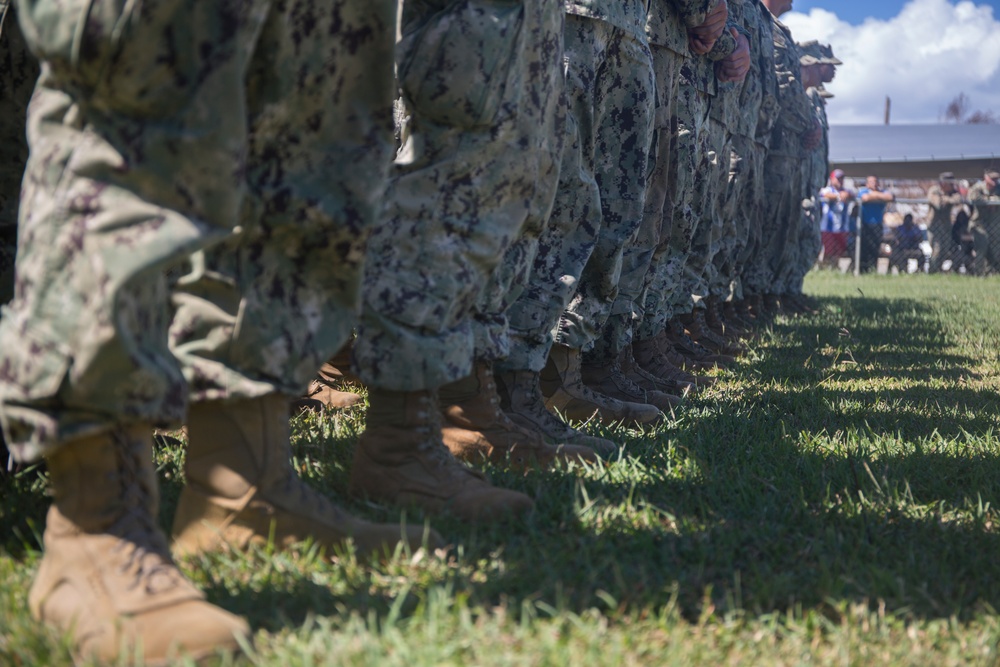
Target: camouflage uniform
691,235
478,88
164,129
609,88
782,170
940,227
985,227
743,103
755,273
815,168
686,152
618,69
18,72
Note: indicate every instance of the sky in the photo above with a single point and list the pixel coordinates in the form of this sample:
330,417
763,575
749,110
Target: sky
920,53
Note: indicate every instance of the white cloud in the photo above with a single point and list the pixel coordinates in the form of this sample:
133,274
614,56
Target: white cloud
922,58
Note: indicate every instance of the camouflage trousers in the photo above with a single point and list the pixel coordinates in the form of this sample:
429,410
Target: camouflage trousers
693,283
491,324
754,271
570,291
201,181
782,219
626,228
719,268
563,250
735,222
479,161
810,244
683,152
942,244
617,129
18,72
986,244
741,205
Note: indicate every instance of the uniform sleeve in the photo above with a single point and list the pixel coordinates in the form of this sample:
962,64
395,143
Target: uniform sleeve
796,112
977,194
938,199
694,12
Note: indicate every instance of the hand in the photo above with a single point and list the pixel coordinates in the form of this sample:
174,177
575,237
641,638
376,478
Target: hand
735,66
812,138
702,38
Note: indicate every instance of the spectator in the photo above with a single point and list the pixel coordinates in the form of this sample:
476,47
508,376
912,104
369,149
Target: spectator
873,202
836,217
907,244
985,223
942,198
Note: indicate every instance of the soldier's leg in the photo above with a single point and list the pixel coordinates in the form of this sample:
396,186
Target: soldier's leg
475,426
257,316
628,238
563,248
657,218
456,202
136,136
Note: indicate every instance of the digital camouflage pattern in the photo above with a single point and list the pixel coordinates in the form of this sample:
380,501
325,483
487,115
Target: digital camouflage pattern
687,149
815,168
543,63
742,105
18,73
662,192
626,15
564,247
164,129
783,183
690,237
755,272
476,82
939,230
613,70
985,227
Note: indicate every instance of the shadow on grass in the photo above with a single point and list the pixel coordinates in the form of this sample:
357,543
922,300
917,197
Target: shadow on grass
757,523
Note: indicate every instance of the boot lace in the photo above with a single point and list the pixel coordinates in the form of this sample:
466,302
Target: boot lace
142,546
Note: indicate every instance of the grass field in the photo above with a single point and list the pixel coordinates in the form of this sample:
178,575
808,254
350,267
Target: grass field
832,501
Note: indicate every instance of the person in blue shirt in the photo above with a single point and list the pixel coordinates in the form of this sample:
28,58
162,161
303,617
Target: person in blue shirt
835,230
873,202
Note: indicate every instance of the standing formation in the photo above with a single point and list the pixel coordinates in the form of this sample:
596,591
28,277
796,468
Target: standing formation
590,203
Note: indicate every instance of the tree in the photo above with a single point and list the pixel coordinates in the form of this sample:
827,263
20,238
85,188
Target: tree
957,111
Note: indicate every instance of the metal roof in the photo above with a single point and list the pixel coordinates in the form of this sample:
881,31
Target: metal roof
915,151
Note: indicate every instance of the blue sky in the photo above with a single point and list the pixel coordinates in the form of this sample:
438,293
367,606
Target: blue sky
919,53
856,11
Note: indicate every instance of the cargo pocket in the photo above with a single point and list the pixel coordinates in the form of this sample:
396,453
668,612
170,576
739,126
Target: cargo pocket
456,65
35,365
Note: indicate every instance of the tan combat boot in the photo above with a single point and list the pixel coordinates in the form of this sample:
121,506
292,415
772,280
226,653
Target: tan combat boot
521,398
734,311
610,379
690,349
241,488
719,323
401,459
699,330
474,428
656,357
638,374
107,575
770,305
564,391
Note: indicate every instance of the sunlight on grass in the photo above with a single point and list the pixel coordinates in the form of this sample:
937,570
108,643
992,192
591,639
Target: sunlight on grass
832,500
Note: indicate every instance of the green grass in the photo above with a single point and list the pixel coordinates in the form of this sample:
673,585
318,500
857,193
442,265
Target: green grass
831,501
